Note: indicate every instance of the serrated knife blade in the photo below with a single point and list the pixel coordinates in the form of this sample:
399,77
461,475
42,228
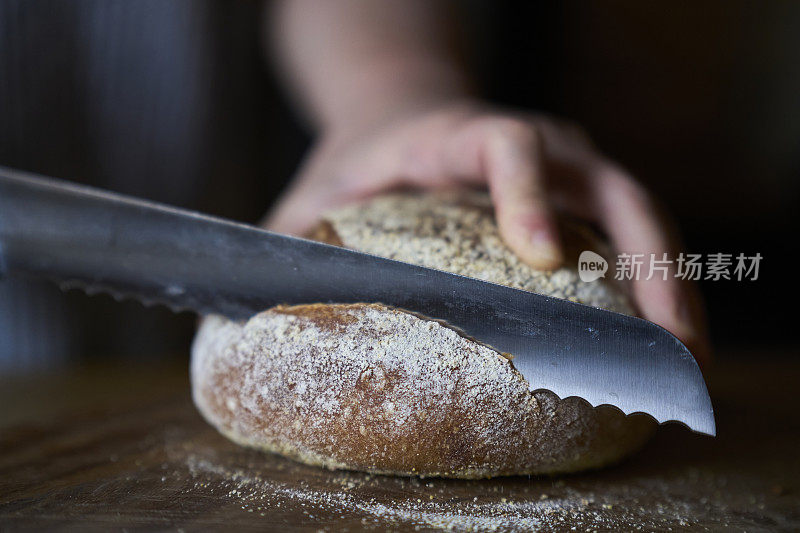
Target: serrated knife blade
104,242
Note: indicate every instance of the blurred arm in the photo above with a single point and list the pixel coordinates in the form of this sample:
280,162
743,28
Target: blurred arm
350,61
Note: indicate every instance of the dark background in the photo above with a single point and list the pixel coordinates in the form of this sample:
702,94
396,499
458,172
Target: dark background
175,101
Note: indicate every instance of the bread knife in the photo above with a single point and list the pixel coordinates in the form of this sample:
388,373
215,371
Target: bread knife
81,237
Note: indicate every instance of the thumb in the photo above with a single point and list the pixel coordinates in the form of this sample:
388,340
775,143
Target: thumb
296,210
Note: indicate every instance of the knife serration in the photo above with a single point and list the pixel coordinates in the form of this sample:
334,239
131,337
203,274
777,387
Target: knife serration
83,237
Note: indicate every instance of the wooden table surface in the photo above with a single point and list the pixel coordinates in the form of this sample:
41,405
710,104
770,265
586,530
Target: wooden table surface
123,448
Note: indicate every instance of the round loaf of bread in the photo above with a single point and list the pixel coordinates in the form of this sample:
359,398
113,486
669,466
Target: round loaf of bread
374,388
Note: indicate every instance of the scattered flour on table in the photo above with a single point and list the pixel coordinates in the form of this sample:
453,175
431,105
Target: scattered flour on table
508,516
577,511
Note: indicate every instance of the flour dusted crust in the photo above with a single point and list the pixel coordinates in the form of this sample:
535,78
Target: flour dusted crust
373,388
458,233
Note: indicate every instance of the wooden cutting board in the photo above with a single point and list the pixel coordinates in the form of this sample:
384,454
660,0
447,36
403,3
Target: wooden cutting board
123,447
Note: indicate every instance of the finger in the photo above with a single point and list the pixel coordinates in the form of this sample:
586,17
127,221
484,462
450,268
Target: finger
636,225
589,186
511,159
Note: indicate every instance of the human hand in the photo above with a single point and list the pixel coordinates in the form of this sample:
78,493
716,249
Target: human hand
532,165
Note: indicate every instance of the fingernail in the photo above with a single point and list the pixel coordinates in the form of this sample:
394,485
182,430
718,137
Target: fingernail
545,250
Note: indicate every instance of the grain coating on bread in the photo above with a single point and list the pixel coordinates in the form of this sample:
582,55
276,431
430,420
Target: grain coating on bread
369,387
458,233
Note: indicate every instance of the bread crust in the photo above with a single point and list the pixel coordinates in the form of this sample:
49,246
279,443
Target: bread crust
373,388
